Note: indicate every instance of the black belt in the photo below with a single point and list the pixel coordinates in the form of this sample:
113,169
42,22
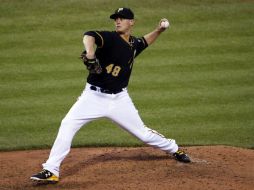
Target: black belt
106,91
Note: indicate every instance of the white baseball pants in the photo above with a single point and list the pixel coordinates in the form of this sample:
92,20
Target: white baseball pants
92,105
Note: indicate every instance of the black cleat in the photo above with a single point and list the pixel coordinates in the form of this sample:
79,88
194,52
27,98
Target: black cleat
181,156
45,176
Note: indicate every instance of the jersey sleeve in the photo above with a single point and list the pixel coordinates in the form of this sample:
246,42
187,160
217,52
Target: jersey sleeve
102,38
141,44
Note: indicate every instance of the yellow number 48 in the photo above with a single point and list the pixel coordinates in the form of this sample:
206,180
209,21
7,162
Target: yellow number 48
114,70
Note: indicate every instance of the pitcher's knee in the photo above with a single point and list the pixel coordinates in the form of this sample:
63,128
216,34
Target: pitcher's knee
72,121
69,125
65,122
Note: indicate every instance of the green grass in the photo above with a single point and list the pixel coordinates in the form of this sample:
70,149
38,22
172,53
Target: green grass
195,84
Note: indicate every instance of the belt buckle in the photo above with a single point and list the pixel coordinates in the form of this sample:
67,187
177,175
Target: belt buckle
106,91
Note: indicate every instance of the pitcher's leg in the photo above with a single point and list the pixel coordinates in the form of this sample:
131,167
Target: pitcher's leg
83,111
62,144
126,115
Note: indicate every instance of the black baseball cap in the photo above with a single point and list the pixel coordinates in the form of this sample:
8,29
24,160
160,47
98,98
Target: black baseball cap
122,13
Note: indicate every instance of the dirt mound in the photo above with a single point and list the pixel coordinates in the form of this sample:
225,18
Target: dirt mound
213,167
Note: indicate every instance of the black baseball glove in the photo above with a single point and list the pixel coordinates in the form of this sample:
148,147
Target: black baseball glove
92,65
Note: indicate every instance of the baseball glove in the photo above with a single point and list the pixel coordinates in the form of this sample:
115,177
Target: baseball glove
92,65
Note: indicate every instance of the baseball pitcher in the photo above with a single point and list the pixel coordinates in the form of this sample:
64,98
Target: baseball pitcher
109,58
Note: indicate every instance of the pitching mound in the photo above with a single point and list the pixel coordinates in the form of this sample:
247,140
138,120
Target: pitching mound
213,167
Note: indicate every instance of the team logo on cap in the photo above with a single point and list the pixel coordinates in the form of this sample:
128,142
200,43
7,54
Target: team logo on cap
120,9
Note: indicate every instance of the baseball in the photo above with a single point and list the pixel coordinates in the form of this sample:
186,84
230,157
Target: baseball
165,24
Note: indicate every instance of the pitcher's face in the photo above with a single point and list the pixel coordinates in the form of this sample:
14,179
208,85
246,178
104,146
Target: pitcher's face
123,25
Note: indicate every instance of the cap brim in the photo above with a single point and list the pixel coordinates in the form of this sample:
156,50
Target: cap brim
116,15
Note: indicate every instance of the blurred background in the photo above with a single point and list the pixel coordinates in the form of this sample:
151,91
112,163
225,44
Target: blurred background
194,84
